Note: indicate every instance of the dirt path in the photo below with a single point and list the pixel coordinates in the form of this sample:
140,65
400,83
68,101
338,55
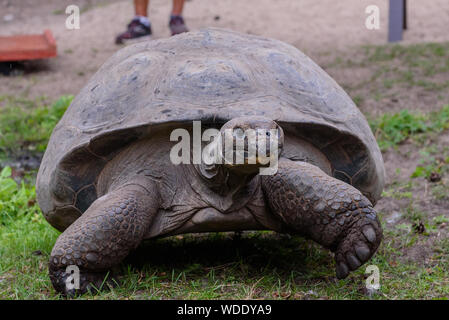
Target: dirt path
313,26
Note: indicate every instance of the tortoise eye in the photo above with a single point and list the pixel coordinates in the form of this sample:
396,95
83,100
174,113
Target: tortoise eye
238,133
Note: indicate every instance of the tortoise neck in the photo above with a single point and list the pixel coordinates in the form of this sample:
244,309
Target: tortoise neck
222,180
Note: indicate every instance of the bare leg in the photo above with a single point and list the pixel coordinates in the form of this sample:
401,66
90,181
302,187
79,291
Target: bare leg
103,236
178,6
327,210
141,7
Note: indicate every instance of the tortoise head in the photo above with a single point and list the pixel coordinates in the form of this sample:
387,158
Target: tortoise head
249,144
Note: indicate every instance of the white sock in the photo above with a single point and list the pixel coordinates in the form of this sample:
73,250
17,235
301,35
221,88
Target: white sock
143,20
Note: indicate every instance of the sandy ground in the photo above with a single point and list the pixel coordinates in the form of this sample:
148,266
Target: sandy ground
312,26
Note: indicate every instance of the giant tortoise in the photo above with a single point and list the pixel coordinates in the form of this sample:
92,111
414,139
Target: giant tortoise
108,182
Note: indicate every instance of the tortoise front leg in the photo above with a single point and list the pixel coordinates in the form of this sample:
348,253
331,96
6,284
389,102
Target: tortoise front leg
103,236
325,209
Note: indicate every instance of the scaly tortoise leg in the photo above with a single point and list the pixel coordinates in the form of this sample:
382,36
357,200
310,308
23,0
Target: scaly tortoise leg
103,236
325,209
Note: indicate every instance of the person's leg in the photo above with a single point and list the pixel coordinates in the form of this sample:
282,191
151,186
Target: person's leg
140,25
178,5
141,7
177,24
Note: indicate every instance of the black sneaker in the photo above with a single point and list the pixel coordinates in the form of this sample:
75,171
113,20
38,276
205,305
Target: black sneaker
136,29
177,25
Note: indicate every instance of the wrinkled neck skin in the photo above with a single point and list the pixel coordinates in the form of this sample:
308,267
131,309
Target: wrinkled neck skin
223,180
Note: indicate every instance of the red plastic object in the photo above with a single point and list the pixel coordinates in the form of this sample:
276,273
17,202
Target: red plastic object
27,47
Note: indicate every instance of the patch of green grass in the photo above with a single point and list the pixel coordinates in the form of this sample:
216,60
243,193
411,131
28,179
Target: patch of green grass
426,58
22,232
394,70
440,219
15,200
440,192
430,165
392,129
58,12
415,215
258,265
434,166
26,125
24,275
358,100
398,190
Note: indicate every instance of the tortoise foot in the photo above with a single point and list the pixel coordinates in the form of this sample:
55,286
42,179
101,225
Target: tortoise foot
359,244
326,210
101,238
69,285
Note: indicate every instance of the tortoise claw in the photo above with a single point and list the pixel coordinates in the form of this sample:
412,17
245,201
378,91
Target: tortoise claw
359,244
342,270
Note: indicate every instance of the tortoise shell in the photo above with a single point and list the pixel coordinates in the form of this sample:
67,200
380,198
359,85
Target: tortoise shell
211,75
